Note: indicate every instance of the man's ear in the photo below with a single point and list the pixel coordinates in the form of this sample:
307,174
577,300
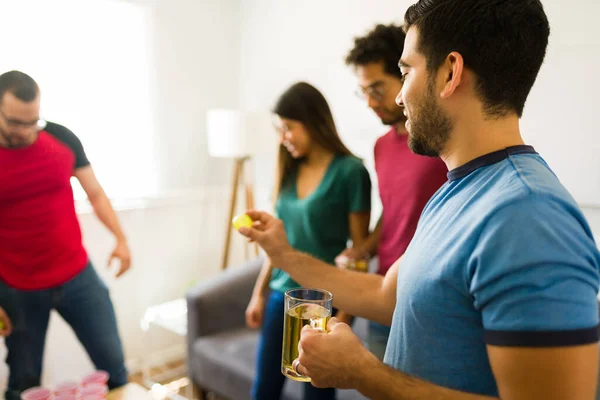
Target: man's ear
452,71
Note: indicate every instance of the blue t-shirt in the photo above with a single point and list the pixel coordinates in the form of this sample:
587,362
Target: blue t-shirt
502,256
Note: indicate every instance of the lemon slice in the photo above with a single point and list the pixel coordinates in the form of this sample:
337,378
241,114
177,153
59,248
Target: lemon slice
241,221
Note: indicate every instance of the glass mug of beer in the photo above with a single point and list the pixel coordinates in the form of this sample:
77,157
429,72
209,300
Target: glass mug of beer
302,307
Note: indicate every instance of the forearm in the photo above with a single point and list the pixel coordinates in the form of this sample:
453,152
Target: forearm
349,288
106,214
378,381
370,245
344,317
262,282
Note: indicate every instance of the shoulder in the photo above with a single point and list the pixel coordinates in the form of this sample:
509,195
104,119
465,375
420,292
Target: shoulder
534,231
349,162
524,180
349,165
381,140
530,208
515,204
533,222
67,137
537,177
59,131
533,252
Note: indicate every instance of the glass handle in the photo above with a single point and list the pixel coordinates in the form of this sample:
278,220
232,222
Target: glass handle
315,323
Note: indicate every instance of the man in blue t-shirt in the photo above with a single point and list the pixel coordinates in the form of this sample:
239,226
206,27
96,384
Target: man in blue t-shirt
496,294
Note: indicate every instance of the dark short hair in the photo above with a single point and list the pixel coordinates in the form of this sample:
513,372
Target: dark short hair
21,85
502,41
382,44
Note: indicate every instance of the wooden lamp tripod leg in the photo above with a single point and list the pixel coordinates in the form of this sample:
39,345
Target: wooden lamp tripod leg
250,204
237,172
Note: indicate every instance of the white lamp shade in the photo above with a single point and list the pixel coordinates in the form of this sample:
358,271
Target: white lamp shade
234,134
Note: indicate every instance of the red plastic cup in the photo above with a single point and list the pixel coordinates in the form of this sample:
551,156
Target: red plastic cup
100,377
66,388
65,396
36,393
94,389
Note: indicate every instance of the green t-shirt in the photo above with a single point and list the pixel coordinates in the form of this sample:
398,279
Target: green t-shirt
319,223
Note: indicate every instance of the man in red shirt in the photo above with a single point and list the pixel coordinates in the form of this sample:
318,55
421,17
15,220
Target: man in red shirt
43,264
406,181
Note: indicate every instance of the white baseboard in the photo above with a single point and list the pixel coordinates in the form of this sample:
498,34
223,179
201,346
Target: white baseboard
175,353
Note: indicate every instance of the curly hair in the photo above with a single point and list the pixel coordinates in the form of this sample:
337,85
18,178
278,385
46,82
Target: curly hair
383,44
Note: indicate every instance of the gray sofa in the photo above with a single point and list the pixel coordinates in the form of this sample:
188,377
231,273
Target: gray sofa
221,350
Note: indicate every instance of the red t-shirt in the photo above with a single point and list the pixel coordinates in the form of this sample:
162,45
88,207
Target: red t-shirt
406,183
40,238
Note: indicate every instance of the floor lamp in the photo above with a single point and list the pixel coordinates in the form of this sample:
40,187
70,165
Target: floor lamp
238,135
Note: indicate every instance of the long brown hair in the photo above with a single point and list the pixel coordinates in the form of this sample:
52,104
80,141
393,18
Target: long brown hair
304,103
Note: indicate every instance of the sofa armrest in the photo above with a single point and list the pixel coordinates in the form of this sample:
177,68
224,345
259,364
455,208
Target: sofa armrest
219,304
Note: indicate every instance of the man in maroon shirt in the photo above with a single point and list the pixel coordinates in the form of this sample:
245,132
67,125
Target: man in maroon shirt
406,181
43,264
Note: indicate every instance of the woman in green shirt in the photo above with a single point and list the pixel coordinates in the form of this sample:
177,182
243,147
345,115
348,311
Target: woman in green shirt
323,197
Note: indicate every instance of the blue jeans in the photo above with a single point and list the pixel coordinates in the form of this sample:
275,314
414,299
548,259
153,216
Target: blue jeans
269,381
84,303
377,339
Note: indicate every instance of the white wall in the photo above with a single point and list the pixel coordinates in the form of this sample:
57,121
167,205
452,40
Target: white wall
171,246
197,56
96,82
177,239
313,37
284,41
174,242
560,118
223,53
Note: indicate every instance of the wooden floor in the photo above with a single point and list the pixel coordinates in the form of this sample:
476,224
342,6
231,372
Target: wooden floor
138,378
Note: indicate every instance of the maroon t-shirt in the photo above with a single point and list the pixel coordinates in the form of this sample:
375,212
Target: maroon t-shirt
40,238
406,183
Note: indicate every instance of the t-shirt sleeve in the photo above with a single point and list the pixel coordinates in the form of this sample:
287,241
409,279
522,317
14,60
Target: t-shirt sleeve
359,187
68,137
533,275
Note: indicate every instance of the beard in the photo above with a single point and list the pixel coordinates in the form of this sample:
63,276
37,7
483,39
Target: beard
430,126
394,119
16,141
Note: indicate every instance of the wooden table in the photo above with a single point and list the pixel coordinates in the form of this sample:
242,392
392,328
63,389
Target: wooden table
131,391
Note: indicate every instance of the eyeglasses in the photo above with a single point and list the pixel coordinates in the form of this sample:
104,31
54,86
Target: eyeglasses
281,127
38,125
376,91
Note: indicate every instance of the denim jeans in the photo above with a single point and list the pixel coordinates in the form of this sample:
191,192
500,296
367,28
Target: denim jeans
269,380
84,303
377,338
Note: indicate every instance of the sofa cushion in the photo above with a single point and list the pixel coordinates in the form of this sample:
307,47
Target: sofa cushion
225,362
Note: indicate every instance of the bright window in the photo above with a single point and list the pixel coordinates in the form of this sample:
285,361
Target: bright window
92,60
